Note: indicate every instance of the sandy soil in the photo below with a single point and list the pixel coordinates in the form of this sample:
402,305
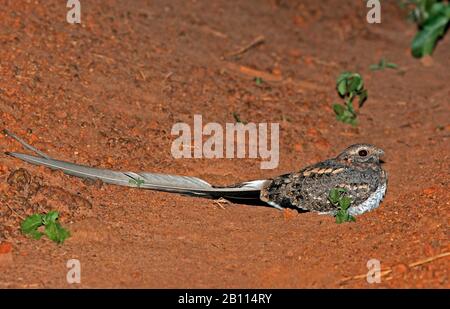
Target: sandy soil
106,93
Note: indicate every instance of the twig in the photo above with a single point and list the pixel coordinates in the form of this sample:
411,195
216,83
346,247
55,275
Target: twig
108,59
257,41
167,76
383,273
216,33
428,260
143,75
221,200
411,265
14,211
253,73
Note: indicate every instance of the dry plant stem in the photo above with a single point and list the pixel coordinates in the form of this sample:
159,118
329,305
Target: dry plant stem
15,212
411,265
257,41
221,201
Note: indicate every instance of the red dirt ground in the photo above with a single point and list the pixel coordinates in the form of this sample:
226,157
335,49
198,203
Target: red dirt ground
107,92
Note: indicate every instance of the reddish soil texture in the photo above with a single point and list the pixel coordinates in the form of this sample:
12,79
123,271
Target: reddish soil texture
106,93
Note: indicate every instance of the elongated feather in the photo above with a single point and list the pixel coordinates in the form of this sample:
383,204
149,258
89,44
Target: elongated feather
246,191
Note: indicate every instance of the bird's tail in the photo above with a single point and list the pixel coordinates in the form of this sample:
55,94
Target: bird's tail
246,192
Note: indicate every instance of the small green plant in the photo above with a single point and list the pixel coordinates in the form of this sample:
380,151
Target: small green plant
338,198
258,81
432,18
136,182
383,64
53,230
349,86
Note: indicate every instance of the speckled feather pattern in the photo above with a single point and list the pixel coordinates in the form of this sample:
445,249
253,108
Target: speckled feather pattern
308,189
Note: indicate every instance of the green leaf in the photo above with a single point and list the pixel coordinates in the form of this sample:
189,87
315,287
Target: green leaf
425,40
355,83
348,86
343,216
338,109
258,81
345,202
337,196
342,88
56,232
350,108
382,64
334,196
53,229
437,8
136,182
362,98
341,83
52,216
343,76
359,82
391,65
339,218
36,234
31,223
374,67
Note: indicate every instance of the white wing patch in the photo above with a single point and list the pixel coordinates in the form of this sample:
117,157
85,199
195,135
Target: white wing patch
254,184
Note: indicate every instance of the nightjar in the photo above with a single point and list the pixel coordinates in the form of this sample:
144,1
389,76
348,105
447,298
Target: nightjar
357,170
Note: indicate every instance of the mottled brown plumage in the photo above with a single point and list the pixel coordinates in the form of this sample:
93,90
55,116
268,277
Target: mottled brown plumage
357,169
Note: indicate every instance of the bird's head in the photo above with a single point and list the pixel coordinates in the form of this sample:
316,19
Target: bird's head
361,153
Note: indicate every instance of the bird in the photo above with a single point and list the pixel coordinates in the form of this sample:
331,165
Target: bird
356,170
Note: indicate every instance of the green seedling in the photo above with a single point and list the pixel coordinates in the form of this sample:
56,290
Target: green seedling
258,81
432,18
136,182
349,86
52,229
383,64
338,198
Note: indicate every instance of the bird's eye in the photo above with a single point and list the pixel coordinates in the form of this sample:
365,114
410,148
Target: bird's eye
362,153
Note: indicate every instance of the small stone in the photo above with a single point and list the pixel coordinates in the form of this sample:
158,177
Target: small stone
5,247
289,214
276,71
3,169
431,191
61,114
295,53
312,132
290,253
6,257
